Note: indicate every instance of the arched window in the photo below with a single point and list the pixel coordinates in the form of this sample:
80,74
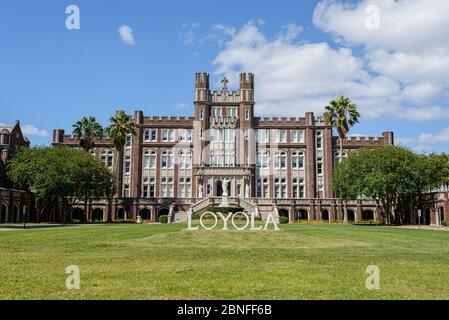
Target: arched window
262,188
297,160
149,187
149,159
337,156
280,160
185,159
185,187
263,159
167,160
298,188
107,157
280,188
319,140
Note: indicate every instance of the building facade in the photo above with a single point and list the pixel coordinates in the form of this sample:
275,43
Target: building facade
14,203
176,165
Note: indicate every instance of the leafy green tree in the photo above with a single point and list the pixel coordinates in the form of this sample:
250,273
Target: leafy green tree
86,130
121,126
59,177
341,113
395,177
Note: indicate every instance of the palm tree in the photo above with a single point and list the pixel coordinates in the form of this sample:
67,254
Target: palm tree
342,114
121,126
86,130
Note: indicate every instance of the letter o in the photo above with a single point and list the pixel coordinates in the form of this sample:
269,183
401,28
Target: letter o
202,224
247,221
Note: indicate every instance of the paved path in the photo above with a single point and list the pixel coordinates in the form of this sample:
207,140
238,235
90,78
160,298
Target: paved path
34,226
439,228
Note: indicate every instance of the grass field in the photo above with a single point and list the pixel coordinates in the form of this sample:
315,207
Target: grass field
168,262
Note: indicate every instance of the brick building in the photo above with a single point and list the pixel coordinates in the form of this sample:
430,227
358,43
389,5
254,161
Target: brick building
177,164
13,202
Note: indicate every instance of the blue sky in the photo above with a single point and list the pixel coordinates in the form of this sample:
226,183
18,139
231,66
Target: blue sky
302,52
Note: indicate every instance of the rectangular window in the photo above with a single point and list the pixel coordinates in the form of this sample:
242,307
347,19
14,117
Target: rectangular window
128,140
319,168
232,112
263,136
185,135
216,112
280,136
296,136
127,164
168,135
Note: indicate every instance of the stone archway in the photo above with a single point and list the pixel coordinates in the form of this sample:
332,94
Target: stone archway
16,213
78,215
302,214
441,215
3,213
121,214
145,214
284,213
325,216
351,215
367,215
219,189
162,212
425,216
97,215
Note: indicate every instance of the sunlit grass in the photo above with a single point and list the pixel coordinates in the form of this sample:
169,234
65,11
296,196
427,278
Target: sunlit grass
314,261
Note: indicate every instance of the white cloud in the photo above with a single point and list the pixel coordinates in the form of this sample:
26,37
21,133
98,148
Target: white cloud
401,71
410,47
404,25
30,130
442,136
294,77
183,106
126,35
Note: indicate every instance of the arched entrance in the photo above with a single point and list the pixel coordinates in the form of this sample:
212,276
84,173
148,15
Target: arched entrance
441,214
302,215
219,189
162,212
284,213
16,213
367,215
78,215
351,215
425,216
325,215
3,214
97,215
121,214
145,214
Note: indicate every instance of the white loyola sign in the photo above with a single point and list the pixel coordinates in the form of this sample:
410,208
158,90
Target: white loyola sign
249,224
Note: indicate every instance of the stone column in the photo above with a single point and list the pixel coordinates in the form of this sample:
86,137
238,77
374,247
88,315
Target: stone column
358,214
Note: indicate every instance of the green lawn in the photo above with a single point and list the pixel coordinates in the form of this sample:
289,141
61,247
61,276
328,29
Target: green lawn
168,262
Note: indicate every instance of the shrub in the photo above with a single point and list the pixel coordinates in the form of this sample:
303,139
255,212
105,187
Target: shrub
196,216
226,209
445,223
163,219
283,220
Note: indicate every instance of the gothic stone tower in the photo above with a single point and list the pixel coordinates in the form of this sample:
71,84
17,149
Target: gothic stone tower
224,135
